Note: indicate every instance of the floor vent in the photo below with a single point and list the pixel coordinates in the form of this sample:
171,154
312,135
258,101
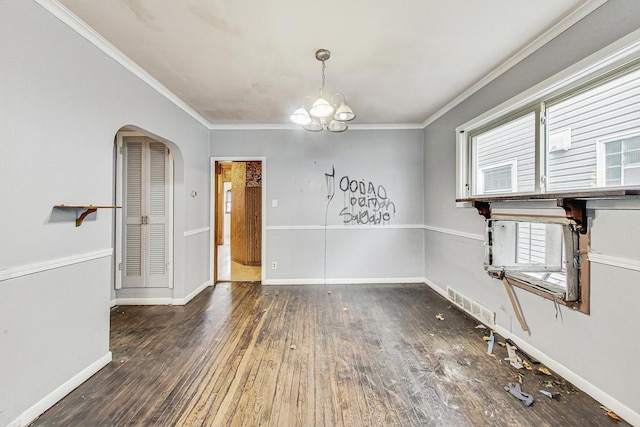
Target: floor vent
475,309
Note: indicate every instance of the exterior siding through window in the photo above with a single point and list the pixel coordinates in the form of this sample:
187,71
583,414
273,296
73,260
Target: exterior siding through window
602,112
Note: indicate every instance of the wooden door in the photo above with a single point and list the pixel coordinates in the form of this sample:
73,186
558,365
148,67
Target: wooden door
246,217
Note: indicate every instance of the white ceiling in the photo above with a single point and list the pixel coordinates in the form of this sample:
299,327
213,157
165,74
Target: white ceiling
251,62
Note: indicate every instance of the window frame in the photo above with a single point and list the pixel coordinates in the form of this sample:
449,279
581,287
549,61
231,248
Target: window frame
618,58
574,260
601,153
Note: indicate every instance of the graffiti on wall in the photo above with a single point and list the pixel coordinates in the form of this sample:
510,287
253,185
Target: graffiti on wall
365,202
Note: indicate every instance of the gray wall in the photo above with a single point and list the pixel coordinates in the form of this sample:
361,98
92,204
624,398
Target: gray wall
296,164
62,102
598,348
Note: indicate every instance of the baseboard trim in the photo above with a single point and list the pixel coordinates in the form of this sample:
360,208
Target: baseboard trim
354,281
38,267
144,301
52,398
192,295
161,301
598,394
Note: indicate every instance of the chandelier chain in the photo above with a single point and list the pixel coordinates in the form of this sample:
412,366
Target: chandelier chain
323,68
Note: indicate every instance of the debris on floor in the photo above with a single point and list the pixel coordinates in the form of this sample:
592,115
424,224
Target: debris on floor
610,413
490,343
480,326
515,390
292,347
544,370
439,316
513,357
519,377
550,395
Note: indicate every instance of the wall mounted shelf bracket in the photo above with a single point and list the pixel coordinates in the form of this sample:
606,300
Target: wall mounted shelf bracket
87,209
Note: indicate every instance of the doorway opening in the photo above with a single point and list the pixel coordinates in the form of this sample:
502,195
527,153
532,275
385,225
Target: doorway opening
238,220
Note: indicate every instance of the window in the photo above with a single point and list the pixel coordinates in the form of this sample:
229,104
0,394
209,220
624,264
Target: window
504,156
576,131
582,137
499,178
609,105
619,161
544,255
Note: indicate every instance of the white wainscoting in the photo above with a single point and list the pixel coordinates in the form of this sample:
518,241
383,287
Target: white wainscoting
38,267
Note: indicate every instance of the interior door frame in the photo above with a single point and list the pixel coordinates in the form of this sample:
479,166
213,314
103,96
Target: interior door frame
213,249
119,214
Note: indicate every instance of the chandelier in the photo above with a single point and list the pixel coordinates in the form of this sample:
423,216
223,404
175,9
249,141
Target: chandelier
322,114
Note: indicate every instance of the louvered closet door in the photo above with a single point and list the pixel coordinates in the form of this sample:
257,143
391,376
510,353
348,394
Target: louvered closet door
146,214
157,216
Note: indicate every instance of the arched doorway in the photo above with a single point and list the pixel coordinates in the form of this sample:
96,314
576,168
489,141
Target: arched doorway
144,227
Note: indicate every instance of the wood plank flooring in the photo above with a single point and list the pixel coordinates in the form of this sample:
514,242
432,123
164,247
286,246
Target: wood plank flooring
233,271
243,354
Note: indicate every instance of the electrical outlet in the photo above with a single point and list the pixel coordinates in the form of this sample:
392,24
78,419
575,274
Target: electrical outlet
274,265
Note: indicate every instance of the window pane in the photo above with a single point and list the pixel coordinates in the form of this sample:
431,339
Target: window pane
497,179
614,147
614,177
512,142
631,148
614,160
632,176
526,246
593,115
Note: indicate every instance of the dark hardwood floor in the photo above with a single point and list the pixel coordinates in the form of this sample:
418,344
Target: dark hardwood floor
363,355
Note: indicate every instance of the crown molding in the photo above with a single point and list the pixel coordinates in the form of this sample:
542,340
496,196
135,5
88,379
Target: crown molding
284,126
545,38
80,27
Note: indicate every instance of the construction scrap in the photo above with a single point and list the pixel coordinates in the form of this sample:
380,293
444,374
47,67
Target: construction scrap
544,370
549,394
610,413
515,390
490,343
513,357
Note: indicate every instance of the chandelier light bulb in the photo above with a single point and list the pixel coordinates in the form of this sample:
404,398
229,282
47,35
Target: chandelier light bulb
300,116
321,108
316,125
337,126
344,113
